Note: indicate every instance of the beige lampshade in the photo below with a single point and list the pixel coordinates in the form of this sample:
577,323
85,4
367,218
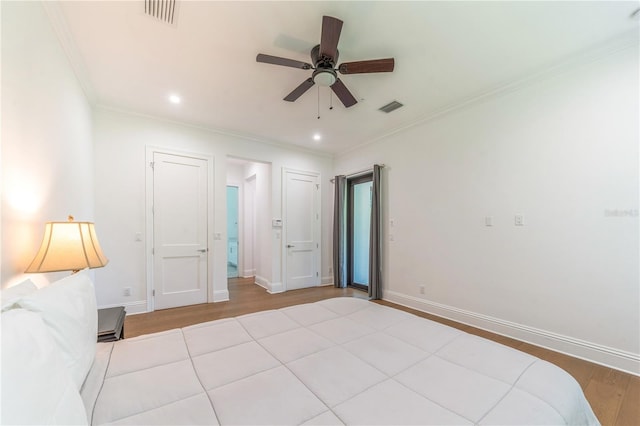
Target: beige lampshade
68,246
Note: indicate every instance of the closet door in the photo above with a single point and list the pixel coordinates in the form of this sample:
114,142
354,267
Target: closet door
180,209
301,229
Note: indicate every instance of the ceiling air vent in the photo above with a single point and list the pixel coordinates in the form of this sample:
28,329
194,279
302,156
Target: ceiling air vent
391,106
163,10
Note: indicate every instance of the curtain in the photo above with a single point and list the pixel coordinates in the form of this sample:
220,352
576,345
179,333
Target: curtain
375,241
339,232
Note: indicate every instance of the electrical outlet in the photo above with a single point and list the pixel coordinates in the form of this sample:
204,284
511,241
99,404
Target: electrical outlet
519,220
126,291
421,289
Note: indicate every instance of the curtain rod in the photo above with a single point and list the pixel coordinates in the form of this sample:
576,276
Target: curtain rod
359,172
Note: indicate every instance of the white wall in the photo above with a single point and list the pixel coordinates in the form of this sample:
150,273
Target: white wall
564,153
47,149
120,143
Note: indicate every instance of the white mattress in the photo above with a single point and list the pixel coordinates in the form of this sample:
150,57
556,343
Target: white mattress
338,361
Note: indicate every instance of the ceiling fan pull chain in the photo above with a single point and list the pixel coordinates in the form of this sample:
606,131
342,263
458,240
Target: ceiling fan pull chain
330,100
318,102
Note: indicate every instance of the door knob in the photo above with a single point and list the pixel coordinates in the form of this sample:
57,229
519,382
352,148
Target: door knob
202,250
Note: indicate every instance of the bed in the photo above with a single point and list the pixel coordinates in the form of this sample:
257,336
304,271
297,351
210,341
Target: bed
339,361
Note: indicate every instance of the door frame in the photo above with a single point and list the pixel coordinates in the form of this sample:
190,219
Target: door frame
317,229
150,150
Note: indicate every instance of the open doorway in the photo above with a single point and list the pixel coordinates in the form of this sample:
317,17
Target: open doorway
248,221
233,241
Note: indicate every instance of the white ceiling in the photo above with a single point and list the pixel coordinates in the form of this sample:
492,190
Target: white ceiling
445,53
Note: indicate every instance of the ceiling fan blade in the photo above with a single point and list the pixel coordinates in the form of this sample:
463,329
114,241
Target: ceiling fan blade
298,91
275,60
343,93
374,65
331,28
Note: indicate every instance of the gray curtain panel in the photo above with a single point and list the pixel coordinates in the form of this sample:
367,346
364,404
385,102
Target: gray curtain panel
375,242
339,232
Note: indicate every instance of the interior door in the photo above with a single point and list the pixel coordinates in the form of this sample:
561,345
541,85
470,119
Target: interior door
301,229
179,230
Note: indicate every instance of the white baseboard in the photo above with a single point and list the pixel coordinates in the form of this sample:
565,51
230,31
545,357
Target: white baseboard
327,280
131,308
272,288
589,351
140,306
220,296
262,282
248,273
275,288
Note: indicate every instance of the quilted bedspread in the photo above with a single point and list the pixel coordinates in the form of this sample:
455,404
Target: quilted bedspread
338,361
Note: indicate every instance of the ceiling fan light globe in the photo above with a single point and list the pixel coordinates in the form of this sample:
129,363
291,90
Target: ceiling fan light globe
325,79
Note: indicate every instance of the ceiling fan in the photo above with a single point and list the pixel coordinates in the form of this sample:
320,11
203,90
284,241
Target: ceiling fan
324,58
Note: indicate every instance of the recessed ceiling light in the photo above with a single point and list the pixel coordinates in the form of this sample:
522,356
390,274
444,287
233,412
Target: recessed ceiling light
317,137
174,99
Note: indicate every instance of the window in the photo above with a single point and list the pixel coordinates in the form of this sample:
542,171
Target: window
359,193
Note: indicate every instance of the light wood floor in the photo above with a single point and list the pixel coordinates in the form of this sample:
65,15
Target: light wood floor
613,395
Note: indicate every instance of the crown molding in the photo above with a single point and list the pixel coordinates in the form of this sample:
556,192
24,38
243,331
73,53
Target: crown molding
60,27
628,40
223,132
59,24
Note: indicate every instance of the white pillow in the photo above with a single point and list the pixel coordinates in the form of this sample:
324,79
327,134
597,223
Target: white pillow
68,308
36,386
8,296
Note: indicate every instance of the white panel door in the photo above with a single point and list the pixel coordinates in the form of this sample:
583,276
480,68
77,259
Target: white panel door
180,230
301,229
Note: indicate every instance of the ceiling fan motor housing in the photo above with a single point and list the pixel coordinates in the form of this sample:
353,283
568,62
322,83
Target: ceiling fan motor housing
320,61
324,74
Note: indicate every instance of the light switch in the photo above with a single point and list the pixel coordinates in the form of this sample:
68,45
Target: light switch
519,220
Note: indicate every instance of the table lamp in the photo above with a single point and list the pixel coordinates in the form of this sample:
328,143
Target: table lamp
68,246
